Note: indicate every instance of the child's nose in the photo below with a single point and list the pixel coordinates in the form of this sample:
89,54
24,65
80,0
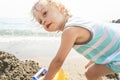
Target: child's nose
43,21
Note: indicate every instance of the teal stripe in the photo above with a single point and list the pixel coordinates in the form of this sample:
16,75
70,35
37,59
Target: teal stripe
95,38
113,49
104,44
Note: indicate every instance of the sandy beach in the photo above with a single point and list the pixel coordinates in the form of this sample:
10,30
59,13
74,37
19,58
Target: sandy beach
42,50
73,66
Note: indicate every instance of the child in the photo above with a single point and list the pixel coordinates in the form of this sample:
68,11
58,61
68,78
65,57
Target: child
98,42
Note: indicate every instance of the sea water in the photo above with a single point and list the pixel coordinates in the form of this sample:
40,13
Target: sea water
26,39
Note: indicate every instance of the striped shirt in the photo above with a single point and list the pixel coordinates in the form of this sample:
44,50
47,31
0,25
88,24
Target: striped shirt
104,47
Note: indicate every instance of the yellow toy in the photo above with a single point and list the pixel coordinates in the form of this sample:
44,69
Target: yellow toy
61,75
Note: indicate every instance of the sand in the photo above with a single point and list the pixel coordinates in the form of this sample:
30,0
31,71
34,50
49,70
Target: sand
13,68
74,67
38,51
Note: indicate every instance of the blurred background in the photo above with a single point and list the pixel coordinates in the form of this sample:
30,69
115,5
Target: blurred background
23,36
16,16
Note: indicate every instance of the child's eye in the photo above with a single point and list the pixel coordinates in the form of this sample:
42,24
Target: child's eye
45,13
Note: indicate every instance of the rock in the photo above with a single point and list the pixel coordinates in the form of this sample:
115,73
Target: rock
116,21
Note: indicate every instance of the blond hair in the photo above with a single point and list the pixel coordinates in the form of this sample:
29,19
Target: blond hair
50,2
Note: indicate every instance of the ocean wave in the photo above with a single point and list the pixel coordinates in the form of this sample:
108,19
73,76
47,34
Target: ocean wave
10,32
22,27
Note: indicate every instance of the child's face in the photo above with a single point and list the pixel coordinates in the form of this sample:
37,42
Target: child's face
50,16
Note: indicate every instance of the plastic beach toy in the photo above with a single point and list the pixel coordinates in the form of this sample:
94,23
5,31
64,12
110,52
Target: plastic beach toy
39,74
59,76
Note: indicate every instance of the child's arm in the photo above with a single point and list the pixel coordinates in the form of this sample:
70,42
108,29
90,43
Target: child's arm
68,38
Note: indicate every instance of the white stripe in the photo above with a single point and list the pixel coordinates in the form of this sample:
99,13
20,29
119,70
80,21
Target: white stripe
95,29
96,44
106,49
76,47
107,60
